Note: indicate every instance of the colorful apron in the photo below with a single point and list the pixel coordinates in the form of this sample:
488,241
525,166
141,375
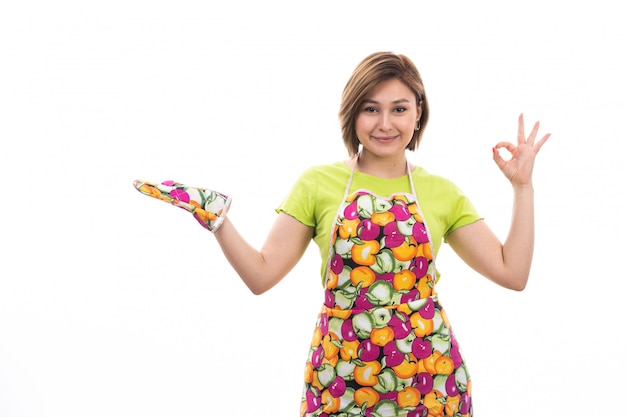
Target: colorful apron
382,345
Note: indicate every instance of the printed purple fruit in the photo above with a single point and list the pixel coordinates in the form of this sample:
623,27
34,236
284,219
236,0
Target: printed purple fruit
428,311
451,387
419,266
180,195
410,296
393,357
421,348
324,324
347,331
455,354
368,230
317,356
465,404
329,298
336,265
337,387
386,276
368,351
393,237
400,324
419,233
400,211
420,411
424,383
391,396
362,301
313,400
350,212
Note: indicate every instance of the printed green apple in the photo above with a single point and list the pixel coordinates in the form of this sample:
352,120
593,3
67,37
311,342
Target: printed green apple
387,381
345,369
385,262
381,316
326,374
343,247
441,342
385,408
346,401
406,345
344,298
365,206
382,205
379,293
406,227
363,324
343,278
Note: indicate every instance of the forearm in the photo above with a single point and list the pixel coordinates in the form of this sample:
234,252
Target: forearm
517,251
246,260
262,269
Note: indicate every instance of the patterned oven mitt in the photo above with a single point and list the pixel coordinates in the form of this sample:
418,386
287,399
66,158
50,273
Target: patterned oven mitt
207,206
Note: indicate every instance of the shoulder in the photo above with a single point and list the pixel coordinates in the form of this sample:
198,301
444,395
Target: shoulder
425,179
326,172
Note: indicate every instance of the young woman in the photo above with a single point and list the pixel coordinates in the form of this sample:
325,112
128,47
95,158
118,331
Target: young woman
382,345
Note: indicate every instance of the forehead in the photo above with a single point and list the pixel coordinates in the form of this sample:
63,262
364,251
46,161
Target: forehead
390,90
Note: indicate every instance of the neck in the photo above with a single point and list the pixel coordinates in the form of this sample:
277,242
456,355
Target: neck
387,167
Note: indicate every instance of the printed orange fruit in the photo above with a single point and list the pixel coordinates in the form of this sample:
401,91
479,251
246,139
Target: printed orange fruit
362,274
330,403
408,368
421,326
409,397
367,396
444,365
367,374
380,336
349,350
404,280
384,218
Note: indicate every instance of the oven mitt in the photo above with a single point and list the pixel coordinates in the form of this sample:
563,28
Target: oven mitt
207,206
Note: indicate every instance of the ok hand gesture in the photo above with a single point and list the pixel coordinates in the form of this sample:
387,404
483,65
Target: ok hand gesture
519,168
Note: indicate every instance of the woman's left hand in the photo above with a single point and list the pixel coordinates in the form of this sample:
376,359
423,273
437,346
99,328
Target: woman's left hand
519,168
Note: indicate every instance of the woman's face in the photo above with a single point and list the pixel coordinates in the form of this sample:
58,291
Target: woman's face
386,120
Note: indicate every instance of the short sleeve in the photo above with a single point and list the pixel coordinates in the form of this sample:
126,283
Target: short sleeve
300,201
462,210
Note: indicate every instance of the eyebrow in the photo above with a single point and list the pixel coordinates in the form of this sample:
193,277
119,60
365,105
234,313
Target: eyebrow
401,100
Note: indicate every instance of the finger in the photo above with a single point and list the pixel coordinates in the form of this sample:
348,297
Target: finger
541,142
506,145
521,137
533,134
500,162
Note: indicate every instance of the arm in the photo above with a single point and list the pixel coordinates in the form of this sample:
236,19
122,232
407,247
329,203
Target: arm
262,269
506,264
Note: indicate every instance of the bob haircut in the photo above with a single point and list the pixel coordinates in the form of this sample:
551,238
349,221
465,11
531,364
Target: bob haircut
375,68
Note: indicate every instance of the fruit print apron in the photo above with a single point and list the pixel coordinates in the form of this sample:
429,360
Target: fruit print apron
382,345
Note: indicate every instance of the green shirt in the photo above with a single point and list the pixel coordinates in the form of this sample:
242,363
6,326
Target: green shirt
315,198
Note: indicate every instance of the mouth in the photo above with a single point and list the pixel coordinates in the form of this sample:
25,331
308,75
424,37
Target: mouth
384,139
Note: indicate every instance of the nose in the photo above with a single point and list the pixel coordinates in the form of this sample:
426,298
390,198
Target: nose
384,122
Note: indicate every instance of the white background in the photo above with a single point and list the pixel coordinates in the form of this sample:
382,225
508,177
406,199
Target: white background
112,304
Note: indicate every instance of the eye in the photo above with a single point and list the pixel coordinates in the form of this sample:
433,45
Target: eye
400,109
369,109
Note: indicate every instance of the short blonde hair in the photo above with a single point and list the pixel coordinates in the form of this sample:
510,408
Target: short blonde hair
375,68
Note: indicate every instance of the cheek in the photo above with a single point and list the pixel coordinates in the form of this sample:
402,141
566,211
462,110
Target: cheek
362,124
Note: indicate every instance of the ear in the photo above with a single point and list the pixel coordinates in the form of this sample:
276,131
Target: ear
419,111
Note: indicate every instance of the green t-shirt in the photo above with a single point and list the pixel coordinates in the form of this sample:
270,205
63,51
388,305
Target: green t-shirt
315,198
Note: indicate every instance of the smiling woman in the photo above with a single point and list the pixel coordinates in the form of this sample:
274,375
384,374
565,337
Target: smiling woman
382,344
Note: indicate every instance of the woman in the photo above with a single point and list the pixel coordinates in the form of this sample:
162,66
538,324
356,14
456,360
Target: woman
382,345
